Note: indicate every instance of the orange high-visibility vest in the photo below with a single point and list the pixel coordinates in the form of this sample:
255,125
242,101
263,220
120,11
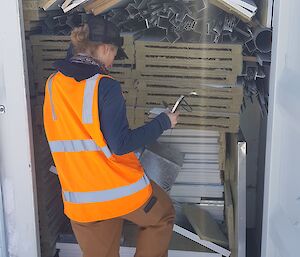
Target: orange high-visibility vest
96,184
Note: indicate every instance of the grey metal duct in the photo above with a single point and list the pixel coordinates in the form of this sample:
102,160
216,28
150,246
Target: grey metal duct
263,40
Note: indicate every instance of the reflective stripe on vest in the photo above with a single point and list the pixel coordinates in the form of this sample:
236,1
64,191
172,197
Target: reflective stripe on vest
53,170
87,108
50,95
77,146
106,195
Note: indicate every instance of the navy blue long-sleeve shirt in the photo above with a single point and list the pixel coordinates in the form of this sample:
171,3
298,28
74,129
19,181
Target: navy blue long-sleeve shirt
112,111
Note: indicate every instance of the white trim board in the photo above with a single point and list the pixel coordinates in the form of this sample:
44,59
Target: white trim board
51,5
196,148
69,6
189,190
73,250
198,178
200,166
247,4
191,140
185,199
203,170
201,157
191,133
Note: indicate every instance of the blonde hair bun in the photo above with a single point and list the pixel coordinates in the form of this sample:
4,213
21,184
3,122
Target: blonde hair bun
80,35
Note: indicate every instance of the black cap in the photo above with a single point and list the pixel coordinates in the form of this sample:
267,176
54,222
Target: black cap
104,31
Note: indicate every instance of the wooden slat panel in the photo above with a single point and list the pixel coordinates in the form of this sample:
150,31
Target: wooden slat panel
197,103
186,72
41,54
195,78
49,40
153,92
183,86
30,5
222,152
187,53
226,122
129,48
129,91
122,72
33,15
152,43
209,63
214,63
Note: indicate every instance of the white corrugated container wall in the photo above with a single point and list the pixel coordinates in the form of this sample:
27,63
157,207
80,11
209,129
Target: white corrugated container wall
16,151
281,221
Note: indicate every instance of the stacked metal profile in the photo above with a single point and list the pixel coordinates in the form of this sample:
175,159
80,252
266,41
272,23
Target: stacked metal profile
200,180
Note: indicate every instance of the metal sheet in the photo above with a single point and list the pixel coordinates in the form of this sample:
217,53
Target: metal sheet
204,225
236,176
240,209
162,164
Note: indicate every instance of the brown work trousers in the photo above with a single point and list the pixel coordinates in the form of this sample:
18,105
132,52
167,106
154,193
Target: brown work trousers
102,238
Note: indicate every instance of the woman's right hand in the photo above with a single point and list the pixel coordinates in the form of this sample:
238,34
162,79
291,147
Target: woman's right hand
173,118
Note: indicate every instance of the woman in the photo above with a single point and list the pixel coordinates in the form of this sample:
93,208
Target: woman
102,181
